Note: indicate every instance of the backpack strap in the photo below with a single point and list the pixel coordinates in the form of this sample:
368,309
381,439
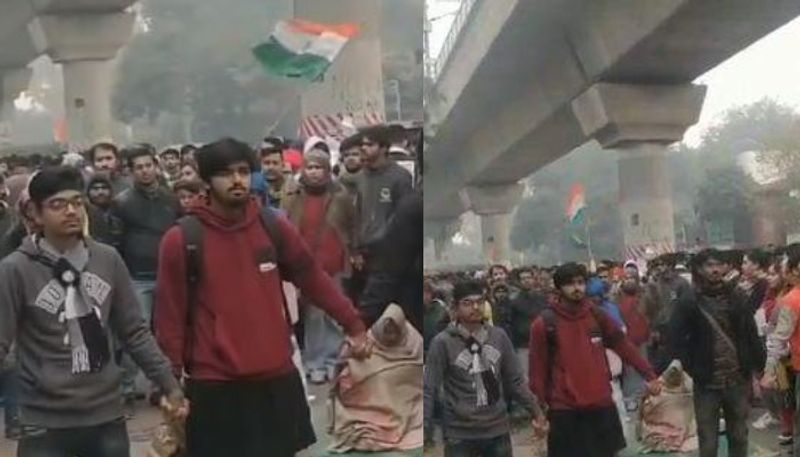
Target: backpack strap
269,219
192,230
549,318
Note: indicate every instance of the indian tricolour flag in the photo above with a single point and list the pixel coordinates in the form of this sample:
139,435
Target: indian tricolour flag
576,205
303,49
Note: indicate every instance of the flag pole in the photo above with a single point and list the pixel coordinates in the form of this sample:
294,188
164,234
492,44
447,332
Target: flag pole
588,236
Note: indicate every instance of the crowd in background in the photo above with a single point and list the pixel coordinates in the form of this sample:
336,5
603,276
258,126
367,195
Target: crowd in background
356,205
729,319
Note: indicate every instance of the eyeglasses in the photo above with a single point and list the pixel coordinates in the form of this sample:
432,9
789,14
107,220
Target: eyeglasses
61,204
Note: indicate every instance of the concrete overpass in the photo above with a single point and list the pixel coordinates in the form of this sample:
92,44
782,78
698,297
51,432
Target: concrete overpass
524,82
84,36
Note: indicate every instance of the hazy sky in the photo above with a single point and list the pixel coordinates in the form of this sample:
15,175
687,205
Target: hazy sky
767,68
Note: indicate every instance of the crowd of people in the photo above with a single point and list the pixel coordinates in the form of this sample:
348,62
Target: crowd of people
583,350
229,275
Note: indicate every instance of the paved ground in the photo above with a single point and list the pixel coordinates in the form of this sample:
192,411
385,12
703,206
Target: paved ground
147,419
762,444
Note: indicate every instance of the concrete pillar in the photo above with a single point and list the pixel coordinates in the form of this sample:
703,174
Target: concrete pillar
640,121
495,204
769,218
86,46
353,85
13,81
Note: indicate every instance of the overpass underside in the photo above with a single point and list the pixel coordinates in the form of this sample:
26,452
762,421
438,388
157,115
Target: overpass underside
529,81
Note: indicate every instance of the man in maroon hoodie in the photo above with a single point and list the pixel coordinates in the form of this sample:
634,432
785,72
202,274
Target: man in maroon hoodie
246,394
569,372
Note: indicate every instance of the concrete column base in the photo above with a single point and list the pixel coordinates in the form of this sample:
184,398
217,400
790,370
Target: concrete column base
87,100
494,204
495,235
645,206
85,45
769,225
640,121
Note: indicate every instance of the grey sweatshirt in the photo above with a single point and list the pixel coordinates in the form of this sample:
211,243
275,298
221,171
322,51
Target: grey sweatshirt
378,194
447,372
31,307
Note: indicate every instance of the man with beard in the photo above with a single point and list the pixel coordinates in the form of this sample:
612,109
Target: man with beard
569,372
146,211
221,315
105,158
350,150
324,213
638,331
171,165
714,335
524,309
659,299
273,169
104,226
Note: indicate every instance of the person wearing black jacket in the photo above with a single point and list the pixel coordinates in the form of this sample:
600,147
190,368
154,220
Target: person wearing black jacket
146,211
714,335
754,277
104,226
396,275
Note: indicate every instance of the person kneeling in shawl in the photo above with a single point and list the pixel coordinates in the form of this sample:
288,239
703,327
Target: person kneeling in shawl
377,402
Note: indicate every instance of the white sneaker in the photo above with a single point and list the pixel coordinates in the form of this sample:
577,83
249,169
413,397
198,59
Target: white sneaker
763,422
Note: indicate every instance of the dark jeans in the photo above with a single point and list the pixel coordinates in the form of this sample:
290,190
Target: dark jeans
105,440
489,447
248,418
10,406
735,405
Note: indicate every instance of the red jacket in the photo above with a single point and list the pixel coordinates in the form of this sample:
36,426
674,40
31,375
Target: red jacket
580,377
638,328
240,331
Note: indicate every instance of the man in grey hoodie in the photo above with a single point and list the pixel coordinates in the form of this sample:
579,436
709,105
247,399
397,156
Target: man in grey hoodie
475,366
61,298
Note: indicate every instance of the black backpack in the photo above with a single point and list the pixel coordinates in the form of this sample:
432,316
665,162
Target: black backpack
192,230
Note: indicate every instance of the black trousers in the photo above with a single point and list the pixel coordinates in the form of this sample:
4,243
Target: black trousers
585,433
248,418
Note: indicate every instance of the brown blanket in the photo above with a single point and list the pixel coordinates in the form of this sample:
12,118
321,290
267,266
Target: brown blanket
377,402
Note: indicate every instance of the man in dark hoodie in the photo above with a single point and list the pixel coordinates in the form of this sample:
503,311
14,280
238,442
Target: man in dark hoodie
474,365
714,335
569,370
104,225
61,297
247,395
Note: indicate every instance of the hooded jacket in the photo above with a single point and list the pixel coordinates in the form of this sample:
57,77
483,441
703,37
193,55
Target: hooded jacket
576,374
447,370
239,330
31,312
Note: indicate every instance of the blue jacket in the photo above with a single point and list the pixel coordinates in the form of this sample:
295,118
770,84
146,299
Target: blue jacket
597,288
